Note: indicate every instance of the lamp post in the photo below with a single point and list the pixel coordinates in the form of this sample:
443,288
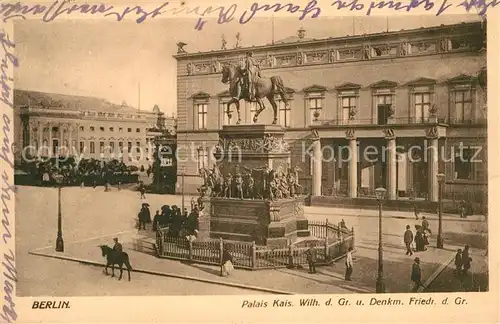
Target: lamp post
182,188
59,241
380,285
440,178
157,168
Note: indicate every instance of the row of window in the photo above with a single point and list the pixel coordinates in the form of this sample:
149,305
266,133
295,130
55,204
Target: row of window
103,114
111,147
421,102
111,129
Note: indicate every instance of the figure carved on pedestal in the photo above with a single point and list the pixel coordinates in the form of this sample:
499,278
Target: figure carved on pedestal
228,181
238,180
249,183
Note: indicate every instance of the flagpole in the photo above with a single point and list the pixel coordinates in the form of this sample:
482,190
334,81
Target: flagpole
353,26
272,21
387,23
139,96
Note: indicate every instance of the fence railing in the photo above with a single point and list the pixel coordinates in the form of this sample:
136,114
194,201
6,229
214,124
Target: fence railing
332,242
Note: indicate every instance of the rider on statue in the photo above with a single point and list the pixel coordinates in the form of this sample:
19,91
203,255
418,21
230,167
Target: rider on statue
252,72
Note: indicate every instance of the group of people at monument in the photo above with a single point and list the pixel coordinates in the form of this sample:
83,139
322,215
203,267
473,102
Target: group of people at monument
256,183
179,222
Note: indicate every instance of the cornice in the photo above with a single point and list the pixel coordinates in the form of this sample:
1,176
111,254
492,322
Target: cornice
450,30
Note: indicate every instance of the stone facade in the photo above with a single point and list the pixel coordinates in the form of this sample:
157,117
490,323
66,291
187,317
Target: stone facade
393,90
51,124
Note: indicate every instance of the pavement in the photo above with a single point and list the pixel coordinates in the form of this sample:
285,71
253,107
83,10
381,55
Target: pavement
91,218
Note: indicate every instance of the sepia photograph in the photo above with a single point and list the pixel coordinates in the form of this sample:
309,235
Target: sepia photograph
337,155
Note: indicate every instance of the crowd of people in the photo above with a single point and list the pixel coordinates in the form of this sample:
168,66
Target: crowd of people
180,223
81,172
420,238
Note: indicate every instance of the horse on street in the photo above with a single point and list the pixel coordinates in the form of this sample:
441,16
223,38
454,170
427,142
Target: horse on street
115,257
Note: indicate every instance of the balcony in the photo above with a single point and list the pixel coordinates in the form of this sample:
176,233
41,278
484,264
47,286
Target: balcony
401,121
389,121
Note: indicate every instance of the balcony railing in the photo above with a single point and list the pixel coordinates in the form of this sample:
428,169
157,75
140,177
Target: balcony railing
400,121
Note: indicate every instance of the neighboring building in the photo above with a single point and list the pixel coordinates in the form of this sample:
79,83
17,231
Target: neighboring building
411,87
53,124
162,136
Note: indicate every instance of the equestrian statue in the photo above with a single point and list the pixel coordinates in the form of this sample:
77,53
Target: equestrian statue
246,82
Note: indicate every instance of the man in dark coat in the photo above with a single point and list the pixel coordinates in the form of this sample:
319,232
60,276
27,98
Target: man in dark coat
408,239
425,225
458,262
416,275
156,220
311,258
117,247
142,218
466,260
147,214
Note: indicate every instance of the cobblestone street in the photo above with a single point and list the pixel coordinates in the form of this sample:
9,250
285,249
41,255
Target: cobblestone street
92,217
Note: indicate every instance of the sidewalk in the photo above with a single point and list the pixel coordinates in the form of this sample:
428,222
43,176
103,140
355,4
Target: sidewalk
476,279
329,279
349,212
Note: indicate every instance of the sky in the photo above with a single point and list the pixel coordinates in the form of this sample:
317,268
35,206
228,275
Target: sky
112,60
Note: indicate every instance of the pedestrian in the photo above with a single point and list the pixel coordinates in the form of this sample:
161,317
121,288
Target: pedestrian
416,275
419,240
227,263
415,210
142,190
342,224
458,262
466,260
156,220
311,258
142,218
462,206
408,239
348,264
117,247
425,225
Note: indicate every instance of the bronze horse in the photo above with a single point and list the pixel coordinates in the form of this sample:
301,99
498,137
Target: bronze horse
264,88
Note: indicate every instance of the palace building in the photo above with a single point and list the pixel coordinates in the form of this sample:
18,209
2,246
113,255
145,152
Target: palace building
49,124
407,96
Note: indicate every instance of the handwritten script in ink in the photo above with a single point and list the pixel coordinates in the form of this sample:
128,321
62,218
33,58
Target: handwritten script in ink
229,13
8,312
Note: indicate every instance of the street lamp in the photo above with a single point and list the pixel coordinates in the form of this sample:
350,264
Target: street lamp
440,179
59,241
380,286
182,188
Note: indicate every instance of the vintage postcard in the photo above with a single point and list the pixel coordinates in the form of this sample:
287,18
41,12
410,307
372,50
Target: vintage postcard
249,162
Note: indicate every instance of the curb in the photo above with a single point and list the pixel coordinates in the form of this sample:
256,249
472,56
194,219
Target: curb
436,273
172,275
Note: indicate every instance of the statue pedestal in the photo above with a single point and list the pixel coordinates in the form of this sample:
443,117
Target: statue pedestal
204,220
271,223
259,151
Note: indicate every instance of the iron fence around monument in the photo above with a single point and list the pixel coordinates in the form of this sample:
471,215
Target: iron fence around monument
330,242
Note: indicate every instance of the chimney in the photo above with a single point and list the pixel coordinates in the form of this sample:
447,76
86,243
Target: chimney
301,32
